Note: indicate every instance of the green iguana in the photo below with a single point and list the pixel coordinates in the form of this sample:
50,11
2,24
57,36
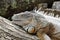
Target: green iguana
43,26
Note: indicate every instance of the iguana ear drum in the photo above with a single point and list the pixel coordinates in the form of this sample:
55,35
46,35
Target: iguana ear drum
31,30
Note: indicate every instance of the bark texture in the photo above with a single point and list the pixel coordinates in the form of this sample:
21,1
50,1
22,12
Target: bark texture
9,31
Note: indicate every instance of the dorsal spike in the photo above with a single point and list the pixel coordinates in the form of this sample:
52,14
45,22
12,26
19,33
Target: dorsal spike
39,9
35,9
57,16
49,14
46,13
53,14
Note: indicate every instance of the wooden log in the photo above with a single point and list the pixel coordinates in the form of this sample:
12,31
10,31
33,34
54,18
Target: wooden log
9,31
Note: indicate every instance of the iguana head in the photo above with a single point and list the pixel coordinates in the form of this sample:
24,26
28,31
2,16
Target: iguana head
23,18
30,21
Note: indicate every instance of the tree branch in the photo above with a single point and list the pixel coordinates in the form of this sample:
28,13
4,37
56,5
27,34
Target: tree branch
7,27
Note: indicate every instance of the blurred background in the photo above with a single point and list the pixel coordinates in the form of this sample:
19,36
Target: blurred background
10,7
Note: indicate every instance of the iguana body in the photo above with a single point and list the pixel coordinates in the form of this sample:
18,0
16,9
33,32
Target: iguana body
36,23
55,24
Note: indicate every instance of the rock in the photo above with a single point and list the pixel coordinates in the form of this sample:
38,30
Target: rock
56,5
